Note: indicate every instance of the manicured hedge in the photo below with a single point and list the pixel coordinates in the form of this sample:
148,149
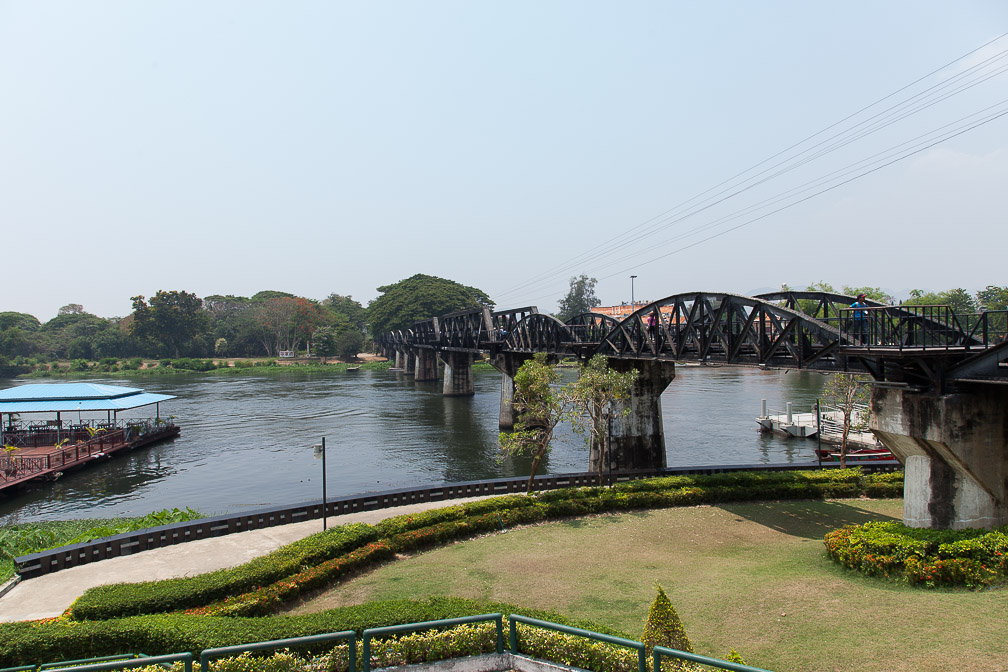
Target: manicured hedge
127,599
932,558
31,642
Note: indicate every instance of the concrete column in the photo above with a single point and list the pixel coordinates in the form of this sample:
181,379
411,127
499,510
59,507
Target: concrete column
400,358
954,450
458,379
508,364
426,365
409,363
638,439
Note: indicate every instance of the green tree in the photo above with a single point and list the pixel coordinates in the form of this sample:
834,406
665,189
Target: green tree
993,298
171,321
597,396
847,392
580,298
235,319
417,298
22,321
354,312
540,406
958,299
349,343
873,293
324,342
92,334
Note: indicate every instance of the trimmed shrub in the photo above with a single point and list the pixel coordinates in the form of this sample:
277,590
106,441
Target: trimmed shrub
971,558
664,627
126,599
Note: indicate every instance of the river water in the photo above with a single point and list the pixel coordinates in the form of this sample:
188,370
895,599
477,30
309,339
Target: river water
247,440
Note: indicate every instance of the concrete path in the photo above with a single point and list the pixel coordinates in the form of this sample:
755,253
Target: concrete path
51,594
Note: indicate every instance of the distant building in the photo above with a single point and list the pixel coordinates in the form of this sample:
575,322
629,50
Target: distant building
624,310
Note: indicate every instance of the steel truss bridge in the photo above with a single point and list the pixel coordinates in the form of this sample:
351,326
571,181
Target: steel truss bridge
917,347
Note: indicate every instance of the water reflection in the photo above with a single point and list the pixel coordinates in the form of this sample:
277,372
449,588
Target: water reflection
247,441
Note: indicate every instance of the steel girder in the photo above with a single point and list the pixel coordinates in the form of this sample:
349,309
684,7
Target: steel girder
724,328
540,333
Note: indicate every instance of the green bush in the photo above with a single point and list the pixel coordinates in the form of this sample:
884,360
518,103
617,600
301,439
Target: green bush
970,557
191,364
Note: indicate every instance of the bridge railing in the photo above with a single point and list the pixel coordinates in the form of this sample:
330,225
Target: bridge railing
921,328
989,327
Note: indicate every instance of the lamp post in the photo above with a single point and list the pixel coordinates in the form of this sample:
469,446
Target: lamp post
633,304
320,448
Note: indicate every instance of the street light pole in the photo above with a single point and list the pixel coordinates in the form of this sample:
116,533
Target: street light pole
633,304
323,486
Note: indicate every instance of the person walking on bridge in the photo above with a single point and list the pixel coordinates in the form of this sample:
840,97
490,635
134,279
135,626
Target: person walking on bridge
859,322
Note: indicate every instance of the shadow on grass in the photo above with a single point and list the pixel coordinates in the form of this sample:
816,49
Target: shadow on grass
808,519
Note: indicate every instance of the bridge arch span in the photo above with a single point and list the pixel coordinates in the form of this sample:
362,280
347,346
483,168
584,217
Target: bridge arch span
539,332
717,327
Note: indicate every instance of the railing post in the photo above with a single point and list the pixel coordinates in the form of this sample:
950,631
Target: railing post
513,636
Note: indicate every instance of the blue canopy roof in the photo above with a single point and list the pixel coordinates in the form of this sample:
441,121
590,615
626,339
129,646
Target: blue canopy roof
55,397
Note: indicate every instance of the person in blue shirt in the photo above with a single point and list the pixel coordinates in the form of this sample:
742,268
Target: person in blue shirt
859,324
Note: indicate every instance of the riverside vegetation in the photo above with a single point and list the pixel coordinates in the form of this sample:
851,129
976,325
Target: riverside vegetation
139,368
24,538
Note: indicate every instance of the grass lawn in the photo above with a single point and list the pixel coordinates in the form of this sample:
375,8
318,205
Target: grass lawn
752,576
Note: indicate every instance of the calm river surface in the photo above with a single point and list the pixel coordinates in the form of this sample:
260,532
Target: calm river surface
247,440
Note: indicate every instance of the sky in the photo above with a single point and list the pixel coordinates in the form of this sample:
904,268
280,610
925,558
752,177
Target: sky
336,147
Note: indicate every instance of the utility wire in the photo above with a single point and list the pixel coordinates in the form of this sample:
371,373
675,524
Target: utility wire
838,140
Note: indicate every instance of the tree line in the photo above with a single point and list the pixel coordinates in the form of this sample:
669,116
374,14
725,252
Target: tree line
177,323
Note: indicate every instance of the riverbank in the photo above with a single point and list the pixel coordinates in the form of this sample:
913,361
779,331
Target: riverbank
151,368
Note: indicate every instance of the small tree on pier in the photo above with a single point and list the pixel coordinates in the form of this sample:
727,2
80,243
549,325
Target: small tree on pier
595,398
540,406
846,391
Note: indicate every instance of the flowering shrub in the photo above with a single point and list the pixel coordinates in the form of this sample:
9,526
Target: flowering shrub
971,558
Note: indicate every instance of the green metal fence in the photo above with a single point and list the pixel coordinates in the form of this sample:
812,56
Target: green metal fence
662,652
293,643
514,620
104,665
128,661
90,661
371,633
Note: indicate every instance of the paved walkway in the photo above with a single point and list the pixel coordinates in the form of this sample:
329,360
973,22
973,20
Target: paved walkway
51,594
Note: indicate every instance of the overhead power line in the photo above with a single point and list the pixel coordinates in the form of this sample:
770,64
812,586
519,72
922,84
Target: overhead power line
786,161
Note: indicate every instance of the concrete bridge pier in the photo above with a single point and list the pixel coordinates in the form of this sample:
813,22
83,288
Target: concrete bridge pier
426,365
638,439
400,359
409,363
954,449
508,364
458,378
